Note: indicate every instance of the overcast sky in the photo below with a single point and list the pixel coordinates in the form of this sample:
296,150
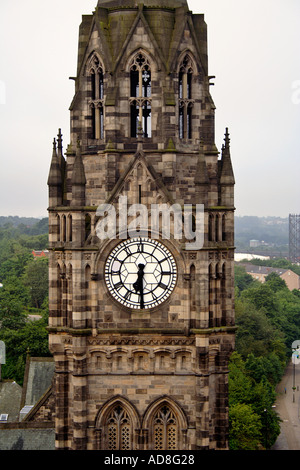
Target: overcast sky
254,52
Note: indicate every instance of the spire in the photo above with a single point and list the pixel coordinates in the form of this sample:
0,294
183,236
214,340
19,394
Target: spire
78,175
226,194
54,178
226,175
61,159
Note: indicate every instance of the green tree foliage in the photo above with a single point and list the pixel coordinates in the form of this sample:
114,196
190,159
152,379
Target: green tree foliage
36,279
268,321
245,426
24,291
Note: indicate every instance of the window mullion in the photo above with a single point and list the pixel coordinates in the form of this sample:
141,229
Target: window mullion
184,85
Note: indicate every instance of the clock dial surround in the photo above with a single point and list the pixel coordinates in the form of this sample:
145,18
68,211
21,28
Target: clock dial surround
140,273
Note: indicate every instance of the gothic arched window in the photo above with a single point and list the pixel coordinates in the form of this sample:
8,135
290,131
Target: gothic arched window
118,429
140,95
96,103
185,98
165,429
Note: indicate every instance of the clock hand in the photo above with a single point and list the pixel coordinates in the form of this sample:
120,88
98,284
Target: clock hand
139,285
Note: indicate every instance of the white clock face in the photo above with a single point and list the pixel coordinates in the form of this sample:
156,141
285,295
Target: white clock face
140,273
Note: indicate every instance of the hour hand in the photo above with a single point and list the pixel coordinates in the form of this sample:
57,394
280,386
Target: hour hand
138,285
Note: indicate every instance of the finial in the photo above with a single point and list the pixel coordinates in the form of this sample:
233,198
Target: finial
54,145
59,139
227,139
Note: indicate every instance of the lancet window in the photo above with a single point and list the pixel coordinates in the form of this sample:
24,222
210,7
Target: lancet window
140,95
165,429
185,98
96,102
119,435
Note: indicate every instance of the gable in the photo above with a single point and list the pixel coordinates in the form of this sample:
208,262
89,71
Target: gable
141,184
184,39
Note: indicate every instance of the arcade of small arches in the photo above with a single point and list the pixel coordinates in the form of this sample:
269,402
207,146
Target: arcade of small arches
217,226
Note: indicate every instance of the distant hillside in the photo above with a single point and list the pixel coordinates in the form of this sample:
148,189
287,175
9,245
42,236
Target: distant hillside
15,220
24,225
271,230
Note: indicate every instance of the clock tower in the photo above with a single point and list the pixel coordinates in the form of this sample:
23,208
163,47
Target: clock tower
141,236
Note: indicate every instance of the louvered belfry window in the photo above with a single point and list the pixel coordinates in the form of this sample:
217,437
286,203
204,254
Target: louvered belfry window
185,98
140,95
97,98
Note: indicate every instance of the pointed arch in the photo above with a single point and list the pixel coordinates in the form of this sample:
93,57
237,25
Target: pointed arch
166,424
139,66
94,63
187,69
94,70
116,424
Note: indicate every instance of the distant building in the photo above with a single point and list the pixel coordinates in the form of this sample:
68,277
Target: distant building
294,238
260,273
248,256
40,253
255,243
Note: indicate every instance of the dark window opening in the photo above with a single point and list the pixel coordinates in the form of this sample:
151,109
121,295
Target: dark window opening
185,79
140,88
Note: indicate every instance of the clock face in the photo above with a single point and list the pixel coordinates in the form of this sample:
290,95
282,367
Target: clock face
140,273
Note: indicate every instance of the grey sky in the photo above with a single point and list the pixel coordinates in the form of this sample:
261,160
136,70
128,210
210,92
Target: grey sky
254,51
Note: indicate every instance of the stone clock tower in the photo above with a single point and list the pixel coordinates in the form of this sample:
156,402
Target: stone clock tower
141,321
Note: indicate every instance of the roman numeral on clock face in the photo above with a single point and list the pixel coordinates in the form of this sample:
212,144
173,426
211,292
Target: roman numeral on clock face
162,285
140,259
118,285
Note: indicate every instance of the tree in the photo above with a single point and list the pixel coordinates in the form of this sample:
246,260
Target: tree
245,428
13,297
243,280
32,338
256,334
263,299
265,367
36,279
275,282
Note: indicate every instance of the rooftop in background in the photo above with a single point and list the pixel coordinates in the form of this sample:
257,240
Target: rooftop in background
291,279
40,253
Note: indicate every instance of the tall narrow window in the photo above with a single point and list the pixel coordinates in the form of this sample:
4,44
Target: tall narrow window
185,98
119,434
165,429
140,99
96,102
